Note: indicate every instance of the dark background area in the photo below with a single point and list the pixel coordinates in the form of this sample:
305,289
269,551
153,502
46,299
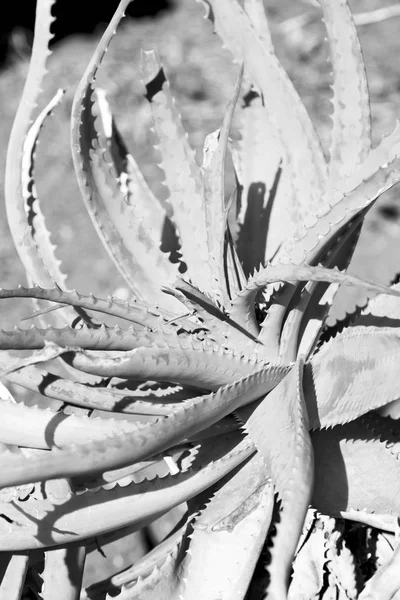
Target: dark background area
72,16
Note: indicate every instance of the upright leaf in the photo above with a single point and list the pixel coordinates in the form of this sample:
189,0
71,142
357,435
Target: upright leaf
351,132
229,535
216,211
182,173
101,194
13,569
278,427
20,228
268,212
296,132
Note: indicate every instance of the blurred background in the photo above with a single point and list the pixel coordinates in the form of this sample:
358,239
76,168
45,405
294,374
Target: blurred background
202,76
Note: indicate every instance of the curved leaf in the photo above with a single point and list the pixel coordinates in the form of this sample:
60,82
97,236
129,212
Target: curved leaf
351,134
124,449
228,536
278,427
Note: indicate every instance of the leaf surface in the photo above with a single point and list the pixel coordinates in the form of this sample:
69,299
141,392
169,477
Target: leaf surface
216,211
62,574
124,449
351,133
16,213
297,135
228,536
345,489
183,176
65,518
140,401
278,427
13,569
102,196
352,374
12,363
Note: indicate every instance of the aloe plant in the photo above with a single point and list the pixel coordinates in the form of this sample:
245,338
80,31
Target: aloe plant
248,392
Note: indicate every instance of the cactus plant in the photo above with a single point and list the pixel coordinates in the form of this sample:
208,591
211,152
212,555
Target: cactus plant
247,392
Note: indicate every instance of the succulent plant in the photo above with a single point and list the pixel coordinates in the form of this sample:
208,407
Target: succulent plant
240,383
